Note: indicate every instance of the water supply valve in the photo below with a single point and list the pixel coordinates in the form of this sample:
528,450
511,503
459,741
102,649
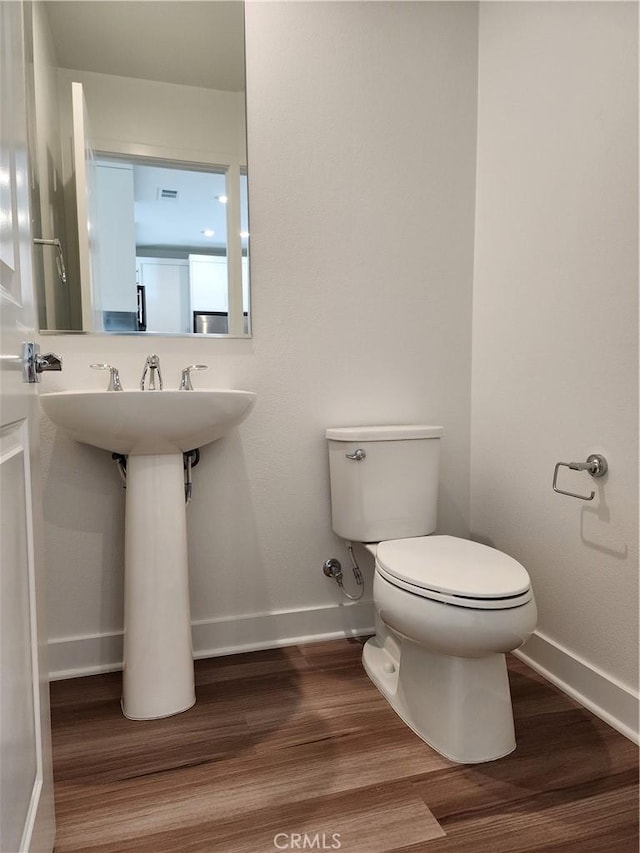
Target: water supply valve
333,569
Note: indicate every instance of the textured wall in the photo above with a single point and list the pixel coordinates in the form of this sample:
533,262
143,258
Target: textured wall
555,361
362,128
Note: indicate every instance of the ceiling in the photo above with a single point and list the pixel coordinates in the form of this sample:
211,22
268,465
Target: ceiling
179,224
188,42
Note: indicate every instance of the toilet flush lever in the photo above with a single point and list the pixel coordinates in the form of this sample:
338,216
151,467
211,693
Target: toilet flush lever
358,455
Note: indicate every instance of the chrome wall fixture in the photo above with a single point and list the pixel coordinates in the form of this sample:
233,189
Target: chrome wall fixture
333,569
596,465
57,245
33,363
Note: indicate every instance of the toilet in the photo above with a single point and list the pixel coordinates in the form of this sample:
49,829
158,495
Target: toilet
447,609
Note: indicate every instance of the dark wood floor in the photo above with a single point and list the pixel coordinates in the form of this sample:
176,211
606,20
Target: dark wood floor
298,740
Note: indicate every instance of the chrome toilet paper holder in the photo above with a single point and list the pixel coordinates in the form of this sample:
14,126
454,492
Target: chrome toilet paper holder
596,465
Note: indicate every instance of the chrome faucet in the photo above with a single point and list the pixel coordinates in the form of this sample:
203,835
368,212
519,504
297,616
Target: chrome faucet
114,376
151,366
185,380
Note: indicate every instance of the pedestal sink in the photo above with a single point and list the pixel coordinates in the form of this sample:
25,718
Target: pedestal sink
154,429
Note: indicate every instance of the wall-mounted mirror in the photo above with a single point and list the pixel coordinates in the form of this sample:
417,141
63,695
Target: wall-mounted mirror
139,166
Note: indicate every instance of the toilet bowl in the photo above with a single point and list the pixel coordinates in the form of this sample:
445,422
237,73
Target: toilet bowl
447,609
444,672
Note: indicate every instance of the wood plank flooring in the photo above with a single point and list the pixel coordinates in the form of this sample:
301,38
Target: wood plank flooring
298,740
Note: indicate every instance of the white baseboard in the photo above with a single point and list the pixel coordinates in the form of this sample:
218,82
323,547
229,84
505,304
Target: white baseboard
597,691
614,703
70,657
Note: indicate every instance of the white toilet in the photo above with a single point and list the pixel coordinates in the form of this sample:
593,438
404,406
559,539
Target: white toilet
447,609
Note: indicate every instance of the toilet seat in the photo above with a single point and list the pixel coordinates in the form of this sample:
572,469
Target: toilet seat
454,571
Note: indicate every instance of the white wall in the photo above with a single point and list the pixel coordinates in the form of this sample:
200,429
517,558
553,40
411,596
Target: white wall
362,127
555,329
147,118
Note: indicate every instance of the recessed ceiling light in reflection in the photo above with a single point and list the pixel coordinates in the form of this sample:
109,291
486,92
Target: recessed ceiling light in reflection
244,234
208,232
223,199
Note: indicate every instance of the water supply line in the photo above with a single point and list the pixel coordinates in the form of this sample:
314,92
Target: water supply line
121,461
333,569
189,459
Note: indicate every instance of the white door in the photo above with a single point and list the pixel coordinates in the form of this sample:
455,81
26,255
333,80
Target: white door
117,238
26,786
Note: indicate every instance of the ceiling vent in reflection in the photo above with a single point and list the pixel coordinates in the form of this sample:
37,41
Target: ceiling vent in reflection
167,195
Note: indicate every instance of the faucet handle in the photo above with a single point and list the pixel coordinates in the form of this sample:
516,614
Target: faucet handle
185,379
114,377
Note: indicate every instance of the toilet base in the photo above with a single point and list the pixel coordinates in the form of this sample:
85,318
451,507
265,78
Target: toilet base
461,707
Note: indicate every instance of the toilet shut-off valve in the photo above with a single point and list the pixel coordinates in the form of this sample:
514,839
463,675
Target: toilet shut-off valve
333,569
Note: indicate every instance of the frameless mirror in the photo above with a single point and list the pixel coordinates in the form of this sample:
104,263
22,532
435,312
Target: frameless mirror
138,149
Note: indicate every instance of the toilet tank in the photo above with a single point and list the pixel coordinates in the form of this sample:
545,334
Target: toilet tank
391,492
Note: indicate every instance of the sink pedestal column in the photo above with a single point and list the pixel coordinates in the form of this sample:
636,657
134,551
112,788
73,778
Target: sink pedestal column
158,660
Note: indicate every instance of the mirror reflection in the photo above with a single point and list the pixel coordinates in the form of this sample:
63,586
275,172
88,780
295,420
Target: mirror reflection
139,160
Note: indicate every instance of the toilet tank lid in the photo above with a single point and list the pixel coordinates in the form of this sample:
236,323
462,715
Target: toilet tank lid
394,432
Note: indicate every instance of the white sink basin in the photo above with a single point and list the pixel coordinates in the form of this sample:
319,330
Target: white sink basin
147,422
